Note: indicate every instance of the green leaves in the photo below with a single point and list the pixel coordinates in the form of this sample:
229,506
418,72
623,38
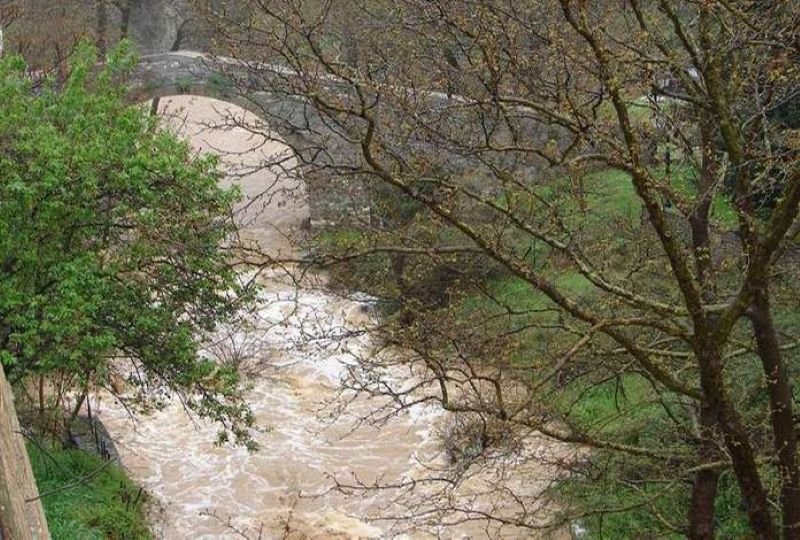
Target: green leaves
110,235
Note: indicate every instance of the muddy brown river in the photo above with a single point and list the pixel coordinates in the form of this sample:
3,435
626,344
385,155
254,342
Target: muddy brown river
294,366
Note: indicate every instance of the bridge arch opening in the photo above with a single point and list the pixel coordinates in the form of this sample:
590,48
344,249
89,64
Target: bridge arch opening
273,214
323,150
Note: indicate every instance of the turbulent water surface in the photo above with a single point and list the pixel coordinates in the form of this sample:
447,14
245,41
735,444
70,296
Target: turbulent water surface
206,491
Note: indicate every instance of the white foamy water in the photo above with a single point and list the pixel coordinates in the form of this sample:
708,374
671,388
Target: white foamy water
295,361
298,368
296,349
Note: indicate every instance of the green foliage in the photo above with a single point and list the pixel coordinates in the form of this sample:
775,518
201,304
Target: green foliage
85,498
368,274
110,235
183,85
625,504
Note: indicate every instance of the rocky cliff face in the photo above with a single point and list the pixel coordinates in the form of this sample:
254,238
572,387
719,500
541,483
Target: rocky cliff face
157,26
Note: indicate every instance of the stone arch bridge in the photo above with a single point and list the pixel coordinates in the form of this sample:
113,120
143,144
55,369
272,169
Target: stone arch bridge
326,149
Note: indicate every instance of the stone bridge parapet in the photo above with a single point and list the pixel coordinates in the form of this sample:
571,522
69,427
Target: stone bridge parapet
415,125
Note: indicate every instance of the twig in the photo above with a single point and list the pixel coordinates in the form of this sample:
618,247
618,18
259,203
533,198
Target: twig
75,483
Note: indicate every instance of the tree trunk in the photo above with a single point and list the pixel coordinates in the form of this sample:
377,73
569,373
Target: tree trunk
704,488
67,440
41,399
125,19
19,519
780,401
701,510
747,476
102,27
723,415
699,218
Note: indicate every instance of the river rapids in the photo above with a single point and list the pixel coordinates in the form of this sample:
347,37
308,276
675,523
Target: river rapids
295,357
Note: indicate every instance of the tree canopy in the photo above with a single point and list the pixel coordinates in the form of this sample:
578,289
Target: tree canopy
112,235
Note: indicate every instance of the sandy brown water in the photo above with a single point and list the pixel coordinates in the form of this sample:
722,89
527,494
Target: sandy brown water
207,491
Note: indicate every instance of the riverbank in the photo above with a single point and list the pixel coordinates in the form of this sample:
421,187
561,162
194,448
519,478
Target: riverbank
334,462
86,497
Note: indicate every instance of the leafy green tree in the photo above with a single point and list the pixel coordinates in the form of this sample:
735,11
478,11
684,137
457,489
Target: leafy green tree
112,236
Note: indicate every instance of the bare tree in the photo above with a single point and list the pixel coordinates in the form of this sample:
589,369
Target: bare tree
540,161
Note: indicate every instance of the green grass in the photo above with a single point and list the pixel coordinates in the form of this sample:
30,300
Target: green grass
106,504
633,498
684,180
513,293
639,110
511,307
339,239
633,509
618,512
624,404
605,194
624,409
611,194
